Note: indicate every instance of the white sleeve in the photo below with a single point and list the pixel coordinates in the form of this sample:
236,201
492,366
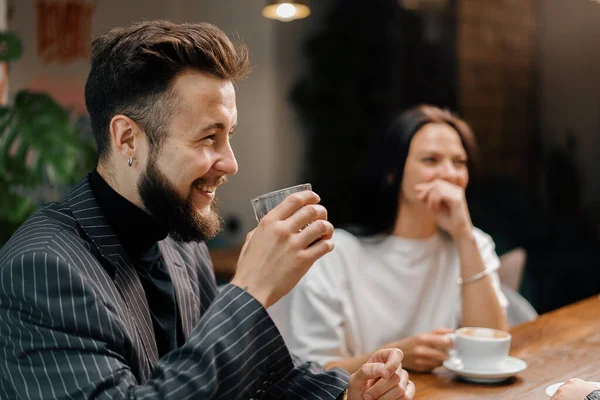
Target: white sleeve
313,316
317,322
487,249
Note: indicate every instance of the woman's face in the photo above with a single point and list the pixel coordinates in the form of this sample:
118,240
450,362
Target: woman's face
435,152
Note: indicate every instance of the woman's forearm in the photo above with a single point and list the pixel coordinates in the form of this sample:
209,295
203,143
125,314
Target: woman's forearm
480,305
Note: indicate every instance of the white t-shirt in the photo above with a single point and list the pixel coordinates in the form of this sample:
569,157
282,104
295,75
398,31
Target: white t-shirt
370,292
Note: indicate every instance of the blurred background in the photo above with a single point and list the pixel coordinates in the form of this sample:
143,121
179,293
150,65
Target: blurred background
524,73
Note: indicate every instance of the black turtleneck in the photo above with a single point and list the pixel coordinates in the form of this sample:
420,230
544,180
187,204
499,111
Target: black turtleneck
139,235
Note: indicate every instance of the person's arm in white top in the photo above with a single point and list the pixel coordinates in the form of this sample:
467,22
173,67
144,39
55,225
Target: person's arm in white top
317,321
318,330
315,316
481,304
422,352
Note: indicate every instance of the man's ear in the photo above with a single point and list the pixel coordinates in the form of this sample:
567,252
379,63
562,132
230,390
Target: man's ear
125,134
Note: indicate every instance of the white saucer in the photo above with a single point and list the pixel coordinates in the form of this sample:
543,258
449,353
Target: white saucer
550,390
510,367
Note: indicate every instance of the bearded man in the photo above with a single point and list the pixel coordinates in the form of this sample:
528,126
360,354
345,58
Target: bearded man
110,293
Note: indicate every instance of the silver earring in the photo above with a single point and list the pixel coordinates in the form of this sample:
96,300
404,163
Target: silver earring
130,161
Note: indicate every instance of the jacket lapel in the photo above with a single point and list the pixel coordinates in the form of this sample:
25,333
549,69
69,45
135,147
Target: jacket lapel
89,216
188,302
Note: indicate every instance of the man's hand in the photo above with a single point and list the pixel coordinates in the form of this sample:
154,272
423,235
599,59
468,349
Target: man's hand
574,389
449,205
381,377
424,352
284,245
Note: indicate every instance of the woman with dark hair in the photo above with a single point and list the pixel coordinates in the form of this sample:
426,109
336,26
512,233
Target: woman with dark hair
414,269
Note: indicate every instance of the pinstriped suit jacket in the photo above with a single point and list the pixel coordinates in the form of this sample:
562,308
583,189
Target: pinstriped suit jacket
72,329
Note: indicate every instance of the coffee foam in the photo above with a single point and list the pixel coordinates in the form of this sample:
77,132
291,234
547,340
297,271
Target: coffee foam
484,333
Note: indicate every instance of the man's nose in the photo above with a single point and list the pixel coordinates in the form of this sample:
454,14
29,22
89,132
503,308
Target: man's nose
227,162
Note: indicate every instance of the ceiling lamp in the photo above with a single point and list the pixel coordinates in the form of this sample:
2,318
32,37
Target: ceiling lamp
286,10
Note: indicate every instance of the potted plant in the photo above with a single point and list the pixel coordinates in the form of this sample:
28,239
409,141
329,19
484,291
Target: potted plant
40,149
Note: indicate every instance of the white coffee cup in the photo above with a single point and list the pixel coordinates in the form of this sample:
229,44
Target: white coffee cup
480,348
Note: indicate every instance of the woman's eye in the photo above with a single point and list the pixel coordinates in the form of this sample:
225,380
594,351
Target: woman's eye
429,160
460,162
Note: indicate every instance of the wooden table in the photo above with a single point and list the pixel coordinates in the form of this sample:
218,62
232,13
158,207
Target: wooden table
559,345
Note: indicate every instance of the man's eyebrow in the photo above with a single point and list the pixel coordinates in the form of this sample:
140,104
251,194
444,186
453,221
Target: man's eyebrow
216,125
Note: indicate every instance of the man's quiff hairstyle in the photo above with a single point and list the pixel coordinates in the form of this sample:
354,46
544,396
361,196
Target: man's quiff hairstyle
133,69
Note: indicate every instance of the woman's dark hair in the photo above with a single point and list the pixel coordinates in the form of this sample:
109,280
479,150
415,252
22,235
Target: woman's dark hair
387,159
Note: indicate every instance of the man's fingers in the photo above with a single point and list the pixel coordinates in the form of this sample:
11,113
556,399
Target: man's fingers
370,370
313,232
390,389
316,251
385,364
393,363
409,393
306,215
392,358
327,237
383,388
403,379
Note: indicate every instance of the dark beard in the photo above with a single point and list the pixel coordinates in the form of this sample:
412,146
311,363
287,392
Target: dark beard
176,214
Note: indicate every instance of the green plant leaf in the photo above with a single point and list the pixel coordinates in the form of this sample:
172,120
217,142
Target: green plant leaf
38,145
10,46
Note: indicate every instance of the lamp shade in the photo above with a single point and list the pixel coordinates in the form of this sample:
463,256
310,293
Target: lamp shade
283,10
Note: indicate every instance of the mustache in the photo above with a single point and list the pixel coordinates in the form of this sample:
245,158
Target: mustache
210,182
